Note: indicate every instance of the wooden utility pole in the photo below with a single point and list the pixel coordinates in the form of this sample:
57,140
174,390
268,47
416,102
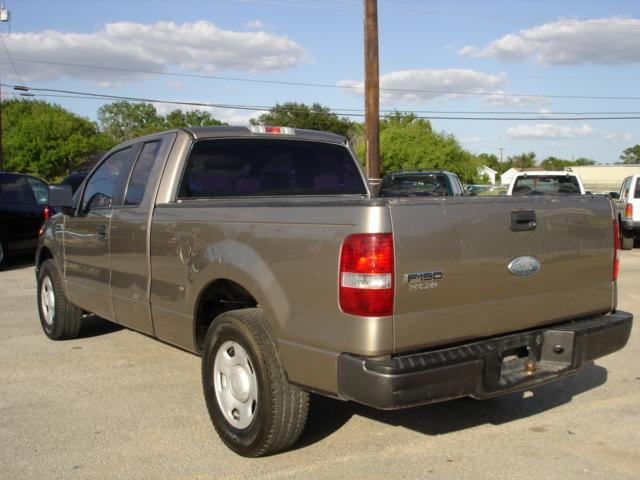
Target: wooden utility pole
371,90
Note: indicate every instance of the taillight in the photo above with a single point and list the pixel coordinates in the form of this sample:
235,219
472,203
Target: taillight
628,210
366,275
616,247
272,130
45,213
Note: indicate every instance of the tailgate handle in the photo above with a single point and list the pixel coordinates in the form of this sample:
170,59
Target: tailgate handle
523,220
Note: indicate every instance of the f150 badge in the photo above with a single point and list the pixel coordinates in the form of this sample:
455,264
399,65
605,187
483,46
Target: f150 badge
423,280
523,266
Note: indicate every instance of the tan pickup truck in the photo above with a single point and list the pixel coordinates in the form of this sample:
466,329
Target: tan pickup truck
261,250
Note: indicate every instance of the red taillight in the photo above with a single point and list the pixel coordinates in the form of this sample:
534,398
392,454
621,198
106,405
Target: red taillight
45,213
628,210
366,275
272,130
616,247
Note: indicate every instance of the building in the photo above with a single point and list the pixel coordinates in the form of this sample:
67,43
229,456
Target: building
604,178
483,170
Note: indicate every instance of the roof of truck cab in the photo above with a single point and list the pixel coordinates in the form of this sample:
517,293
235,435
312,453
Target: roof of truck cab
235,132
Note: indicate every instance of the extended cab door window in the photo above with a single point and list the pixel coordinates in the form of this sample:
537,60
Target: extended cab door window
141,171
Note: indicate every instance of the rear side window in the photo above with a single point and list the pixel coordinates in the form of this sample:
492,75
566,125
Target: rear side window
140,175
15,190
40,190
266,167
637,191
105,182
546,185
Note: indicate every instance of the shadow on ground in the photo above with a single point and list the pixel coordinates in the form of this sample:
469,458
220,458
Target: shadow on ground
94,326
19,260
326,415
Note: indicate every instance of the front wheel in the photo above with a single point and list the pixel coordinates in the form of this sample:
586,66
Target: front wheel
60,319
252,406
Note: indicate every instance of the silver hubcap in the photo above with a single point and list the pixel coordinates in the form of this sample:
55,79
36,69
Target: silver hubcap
47,300
235,384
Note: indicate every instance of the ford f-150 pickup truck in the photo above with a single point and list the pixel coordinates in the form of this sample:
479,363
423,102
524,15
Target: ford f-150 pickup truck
262,250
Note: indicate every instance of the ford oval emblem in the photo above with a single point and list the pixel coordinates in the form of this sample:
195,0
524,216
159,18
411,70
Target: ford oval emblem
523,266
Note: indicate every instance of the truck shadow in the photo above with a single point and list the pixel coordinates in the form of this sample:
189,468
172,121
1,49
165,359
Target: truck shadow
326,415
94,326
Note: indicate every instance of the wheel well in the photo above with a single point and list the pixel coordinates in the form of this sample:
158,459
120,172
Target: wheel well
220,296
43,255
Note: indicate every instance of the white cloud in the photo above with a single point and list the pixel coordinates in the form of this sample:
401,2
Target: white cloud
231,116
175,84
606,41
614,137
419,86
500,99
255,25
470,140
199,46
550,130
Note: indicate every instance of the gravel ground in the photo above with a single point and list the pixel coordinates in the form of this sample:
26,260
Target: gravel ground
117,404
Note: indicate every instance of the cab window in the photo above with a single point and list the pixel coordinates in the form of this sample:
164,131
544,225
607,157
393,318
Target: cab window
106,182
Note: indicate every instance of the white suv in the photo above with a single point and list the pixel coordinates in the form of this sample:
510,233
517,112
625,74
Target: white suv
629,211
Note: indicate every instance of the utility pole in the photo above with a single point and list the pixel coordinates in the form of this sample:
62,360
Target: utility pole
501,149
371,90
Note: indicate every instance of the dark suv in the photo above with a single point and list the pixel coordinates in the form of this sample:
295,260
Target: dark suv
23,208
422,183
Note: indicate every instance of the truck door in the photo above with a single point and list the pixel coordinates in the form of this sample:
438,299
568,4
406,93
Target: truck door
86,236
129,238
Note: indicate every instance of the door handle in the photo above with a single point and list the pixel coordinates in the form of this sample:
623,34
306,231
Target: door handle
523,220
103,233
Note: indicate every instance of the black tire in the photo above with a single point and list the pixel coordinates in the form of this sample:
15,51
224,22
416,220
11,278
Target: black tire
280,410
626,239
4,251
62,322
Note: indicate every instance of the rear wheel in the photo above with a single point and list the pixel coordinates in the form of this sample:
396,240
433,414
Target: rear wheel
60,319
626,239
253,407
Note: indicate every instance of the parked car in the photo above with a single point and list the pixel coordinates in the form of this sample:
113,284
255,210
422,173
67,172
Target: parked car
75,179
546,183
23,208
628,205
421,183
262,250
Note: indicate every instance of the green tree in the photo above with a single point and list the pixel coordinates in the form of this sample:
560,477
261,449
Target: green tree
524,160
193,118
46,140
553,163
299,115
408,142
124,120
631,155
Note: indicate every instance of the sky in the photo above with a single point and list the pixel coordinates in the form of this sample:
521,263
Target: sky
545,68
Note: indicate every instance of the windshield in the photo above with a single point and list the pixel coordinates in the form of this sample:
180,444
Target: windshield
546,185
419,185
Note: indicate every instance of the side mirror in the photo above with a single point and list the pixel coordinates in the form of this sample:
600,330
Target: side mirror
614,195
60,196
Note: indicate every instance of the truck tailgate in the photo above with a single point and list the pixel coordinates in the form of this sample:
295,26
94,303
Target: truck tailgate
451,259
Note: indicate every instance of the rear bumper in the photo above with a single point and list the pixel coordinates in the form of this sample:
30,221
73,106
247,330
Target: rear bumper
629,224
482,369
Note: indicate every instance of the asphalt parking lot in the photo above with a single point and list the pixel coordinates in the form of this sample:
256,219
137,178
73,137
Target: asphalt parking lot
117,404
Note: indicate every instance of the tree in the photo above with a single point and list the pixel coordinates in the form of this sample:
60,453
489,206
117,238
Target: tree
299,115
46,140
408,142
192,118
524,160
631,155
553,163
124,120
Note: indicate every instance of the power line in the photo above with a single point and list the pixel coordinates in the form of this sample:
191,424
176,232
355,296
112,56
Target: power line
10,59
261,108
318,85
